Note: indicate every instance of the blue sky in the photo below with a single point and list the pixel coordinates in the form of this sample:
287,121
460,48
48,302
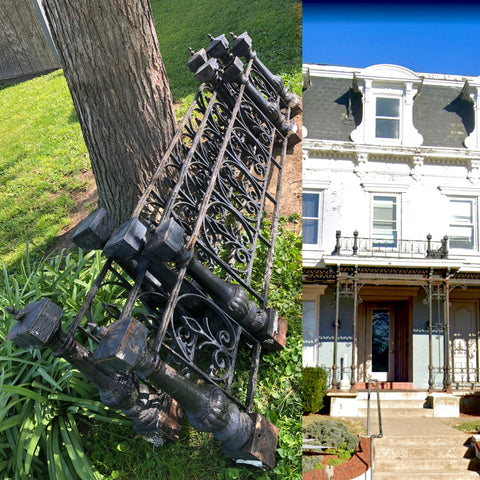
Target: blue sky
427,37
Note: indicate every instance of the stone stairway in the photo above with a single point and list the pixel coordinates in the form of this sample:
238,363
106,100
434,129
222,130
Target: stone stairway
415,445
408,404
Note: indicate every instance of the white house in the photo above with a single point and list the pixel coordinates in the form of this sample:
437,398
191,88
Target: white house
391,262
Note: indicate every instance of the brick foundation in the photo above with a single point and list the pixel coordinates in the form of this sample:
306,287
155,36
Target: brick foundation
353,468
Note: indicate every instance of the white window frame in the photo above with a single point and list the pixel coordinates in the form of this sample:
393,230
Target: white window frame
473,224
319,219
398,222
389,118
388,81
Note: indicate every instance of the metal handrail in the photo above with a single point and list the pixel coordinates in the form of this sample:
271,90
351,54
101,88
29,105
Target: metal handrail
379,412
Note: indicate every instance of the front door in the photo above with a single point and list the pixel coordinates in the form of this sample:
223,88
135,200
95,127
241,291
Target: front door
384,342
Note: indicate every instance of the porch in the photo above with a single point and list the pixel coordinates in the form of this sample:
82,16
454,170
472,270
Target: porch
408,318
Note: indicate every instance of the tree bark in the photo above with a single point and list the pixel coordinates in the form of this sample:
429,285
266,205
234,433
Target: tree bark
112,63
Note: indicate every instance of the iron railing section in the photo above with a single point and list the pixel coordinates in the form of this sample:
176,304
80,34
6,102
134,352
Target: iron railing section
215,181
221,218
379,417
390,247
185,306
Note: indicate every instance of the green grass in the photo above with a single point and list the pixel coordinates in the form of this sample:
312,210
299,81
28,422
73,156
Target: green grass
42,154
472,427
274,25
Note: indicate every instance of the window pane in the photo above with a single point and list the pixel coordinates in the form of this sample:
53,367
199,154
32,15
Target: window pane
308,315
310,205
388,107
461,211
384,221
308,322
387,128
310,231
461,237
384,208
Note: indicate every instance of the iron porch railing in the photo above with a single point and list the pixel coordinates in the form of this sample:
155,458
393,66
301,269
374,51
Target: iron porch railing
187,307
390,247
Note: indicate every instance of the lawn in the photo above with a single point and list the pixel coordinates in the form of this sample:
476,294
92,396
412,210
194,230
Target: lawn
48,412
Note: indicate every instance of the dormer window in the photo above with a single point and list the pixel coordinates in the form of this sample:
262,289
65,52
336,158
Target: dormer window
387,117
388,92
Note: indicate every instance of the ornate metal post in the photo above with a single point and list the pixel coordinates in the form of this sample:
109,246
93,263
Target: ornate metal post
429,245
430,333
335,332
244,436
355,243
448,376
338,247
356,301
157,417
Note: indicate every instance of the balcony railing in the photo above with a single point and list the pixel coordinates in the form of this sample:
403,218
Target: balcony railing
389,247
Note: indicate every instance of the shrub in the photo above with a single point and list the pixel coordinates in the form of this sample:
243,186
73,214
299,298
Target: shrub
331,434
314,388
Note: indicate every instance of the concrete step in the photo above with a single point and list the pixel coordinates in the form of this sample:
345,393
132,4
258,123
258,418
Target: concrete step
434,441
398,412
425,465
431,475
393,395
394,403
423,451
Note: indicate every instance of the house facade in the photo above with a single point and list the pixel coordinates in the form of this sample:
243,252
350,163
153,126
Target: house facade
391,252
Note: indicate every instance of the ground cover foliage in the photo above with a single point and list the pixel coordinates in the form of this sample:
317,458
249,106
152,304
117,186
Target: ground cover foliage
336,436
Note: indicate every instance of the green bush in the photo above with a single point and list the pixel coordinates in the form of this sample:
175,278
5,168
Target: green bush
331,434
314,388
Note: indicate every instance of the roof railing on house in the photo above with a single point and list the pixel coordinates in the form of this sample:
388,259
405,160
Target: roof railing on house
390,246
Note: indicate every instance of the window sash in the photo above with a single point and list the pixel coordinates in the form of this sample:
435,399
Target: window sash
462,224
384,224
311,218
387,117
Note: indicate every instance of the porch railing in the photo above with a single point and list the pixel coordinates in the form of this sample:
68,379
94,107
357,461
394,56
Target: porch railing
189,315
389,247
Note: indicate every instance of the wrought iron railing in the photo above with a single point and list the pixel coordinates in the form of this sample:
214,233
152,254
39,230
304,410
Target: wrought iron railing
389,247
187,308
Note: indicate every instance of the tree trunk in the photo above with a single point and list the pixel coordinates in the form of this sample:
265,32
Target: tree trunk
111,60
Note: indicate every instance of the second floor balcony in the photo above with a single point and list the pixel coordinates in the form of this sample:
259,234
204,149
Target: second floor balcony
390,247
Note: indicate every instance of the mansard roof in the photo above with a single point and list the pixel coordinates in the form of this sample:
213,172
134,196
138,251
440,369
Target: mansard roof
441,110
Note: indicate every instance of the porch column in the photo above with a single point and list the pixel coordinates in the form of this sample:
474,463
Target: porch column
335,334
354,333
430,337
447,380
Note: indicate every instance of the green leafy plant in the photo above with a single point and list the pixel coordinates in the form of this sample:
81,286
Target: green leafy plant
43,400
314,388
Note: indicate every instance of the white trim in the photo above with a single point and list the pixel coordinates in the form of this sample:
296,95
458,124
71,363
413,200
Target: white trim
315,184
436,79
385,187
377,82
336,148
466,191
